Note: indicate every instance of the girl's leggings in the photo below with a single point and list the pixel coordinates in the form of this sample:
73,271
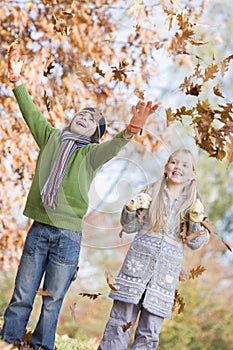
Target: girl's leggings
118,330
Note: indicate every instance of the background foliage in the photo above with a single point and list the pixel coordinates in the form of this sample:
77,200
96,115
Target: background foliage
114,53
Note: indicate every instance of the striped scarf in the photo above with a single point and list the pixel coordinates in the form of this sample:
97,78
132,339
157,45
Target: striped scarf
69,143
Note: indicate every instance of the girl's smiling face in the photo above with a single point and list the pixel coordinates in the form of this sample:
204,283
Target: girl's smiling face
84,123
179,168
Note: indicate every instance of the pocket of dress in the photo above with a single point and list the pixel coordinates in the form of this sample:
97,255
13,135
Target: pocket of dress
136,262
168,272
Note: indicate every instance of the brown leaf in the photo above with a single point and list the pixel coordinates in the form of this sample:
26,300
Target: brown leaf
110,280
98,70
47,100
230,149
49,66
197,271
192,236
91,296
184,229
184,274
179,303
126,326
208,225
44,293
141,213
217,92
139,93
210,72
227,245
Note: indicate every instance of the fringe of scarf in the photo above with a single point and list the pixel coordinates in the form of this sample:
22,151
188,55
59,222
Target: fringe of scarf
69,143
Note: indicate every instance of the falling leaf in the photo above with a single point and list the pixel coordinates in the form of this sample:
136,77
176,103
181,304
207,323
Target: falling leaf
47,100
91,296
44,293
184,274
120,72
210,72
139,93
110,280
126,326
49,65
208,225
184,229
227,245
192,236
98,70
217,92
179,303
73,309
141,213
230,148
197,271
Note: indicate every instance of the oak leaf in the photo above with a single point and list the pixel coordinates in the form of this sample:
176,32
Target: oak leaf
179,303
110,280
197,271
126,326
49,65
90,295
44,293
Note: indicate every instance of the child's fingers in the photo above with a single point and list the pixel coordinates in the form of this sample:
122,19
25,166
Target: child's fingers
155,107
149,104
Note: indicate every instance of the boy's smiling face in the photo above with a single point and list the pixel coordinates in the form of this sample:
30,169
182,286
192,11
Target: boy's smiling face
84,123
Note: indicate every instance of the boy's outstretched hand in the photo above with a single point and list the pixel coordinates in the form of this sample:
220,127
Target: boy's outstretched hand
15,62
140,114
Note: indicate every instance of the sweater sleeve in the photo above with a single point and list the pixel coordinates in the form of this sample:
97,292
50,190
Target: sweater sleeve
129,221
107,150
199,241
39,126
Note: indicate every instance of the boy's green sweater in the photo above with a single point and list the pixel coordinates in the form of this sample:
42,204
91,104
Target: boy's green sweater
81,169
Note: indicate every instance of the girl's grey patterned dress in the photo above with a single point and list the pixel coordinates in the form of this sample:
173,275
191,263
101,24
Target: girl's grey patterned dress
153,263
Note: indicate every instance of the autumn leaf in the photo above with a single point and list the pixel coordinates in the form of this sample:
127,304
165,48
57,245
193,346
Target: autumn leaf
120,72
230,148
225,64
141,213
197,271
47,100
98,70
184,229
59,23
217,92
184,274
179,303
192,236
49,65
126,326
44,293
110,280
210,72
208,225
91,296
139,93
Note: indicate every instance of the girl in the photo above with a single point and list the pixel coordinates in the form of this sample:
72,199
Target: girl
57,202
148,277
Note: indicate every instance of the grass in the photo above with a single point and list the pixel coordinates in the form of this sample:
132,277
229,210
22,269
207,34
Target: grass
62,343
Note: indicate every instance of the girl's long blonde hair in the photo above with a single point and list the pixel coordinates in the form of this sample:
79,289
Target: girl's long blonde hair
158,209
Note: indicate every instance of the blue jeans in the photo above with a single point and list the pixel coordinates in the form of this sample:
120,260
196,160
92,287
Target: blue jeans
53,253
